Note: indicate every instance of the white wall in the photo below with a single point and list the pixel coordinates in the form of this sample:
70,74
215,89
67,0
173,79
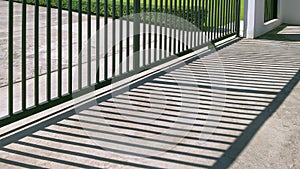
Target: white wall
291,12
254,18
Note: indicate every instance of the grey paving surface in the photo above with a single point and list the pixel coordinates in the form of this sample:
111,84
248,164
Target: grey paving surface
237,107
276,143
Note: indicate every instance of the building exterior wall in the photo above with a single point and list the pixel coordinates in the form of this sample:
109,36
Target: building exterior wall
291,12
254,18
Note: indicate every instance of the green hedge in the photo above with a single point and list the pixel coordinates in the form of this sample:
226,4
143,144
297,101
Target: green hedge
187,14
176,20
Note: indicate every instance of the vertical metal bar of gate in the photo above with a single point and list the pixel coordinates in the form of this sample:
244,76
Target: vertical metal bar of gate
155,30
150,34
192,20
275,9
36,53
175,27
127,35
188,27
166,28
59,43
121,39
194,5
89,43
136,36
238,10
97,41
212,32
48,51
24,54
79,44
113,73
198,9
228,16
144,31
160,30
221,18
10,57
231,14
183,26
106,39
216,19
70,48
202,22
206,22
179,27
209,7
234,15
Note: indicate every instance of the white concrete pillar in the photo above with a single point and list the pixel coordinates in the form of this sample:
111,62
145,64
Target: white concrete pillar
249,18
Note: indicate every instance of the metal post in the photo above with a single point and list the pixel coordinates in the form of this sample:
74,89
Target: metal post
238,10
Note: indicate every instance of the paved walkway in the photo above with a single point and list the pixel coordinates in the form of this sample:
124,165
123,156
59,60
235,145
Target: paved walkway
237,107
276,143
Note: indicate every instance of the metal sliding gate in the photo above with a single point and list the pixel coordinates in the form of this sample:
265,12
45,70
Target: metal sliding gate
77,47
